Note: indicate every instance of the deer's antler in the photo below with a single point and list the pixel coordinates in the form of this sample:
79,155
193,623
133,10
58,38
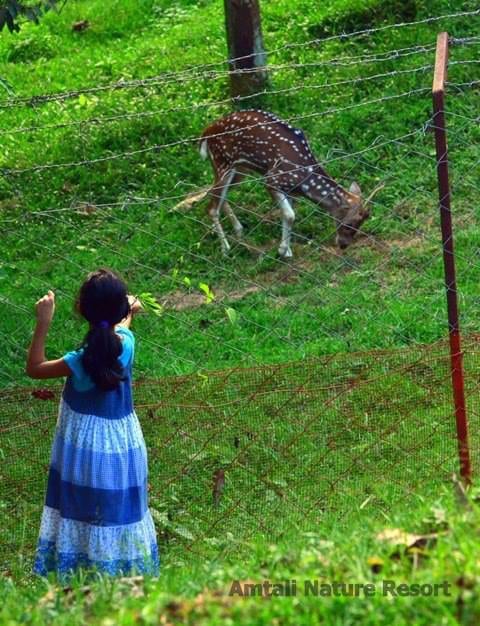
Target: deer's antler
374,192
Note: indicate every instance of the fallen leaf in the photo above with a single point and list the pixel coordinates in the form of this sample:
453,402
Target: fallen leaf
465,582
191,199
43,394
86,209
80,26
47,599
365,502
67,187
375,563
399,537
178,609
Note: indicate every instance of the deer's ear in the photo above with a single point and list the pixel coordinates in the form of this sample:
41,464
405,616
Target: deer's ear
354,188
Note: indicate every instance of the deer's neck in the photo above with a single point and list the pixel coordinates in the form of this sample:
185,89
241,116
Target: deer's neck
323,190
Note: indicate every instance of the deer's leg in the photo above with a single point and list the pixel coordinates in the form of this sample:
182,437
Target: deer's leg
219,193
237,226
288,217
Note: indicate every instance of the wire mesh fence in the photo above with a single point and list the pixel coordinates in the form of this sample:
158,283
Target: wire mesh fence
273,449
261,401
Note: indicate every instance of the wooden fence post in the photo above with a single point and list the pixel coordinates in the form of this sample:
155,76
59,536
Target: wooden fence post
246,52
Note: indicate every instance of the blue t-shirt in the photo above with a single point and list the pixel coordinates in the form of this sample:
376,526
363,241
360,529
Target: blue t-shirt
83,396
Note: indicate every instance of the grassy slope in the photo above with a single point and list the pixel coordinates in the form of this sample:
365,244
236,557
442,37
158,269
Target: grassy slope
54,249
322,302
199,596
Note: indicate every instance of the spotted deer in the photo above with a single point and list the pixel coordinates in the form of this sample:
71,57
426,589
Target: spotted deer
256,141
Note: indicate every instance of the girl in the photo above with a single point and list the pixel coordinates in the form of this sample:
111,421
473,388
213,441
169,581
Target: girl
96,514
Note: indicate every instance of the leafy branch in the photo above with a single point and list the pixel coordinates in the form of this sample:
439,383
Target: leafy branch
12,12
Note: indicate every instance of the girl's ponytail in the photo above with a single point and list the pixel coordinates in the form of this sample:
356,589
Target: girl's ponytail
102,347
103,301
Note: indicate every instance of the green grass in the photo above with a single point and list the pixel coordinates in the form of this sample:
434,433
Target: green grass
446,551
321,303
391,441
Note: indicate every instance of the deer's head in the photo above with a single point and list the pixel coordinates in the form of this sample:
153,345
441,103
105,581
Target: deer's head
353,212
351,215
349,208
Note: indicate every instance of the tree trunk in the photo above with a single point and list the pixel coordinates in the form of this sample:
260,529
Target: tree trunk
246,53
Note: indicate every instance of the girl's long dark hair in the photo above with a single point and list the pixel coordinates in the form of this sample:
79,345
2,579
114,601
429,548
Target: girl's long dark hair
103,302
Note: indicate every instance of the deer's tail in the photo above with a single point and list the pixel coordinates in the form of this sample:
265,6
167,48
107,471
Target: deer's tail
203,147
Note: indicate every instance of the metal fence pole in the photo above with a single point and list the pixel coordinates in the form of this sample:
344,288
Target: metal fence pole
456,357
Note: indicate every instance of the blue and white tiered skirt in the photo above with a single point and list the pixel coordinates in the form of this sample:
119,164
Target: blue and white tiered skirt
96,512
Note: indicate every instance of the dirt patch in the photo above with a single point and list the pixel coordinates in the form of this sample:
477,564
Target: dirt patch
413,242
290,272
388,245
179,300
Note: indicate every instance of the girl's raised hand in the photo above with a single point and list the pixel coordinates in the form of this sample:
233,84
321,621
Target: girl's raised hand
45,308
135,304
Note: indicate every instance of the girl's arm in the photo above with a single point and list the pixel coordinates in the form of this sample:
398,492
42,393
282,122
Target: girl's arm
37,365
135,307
